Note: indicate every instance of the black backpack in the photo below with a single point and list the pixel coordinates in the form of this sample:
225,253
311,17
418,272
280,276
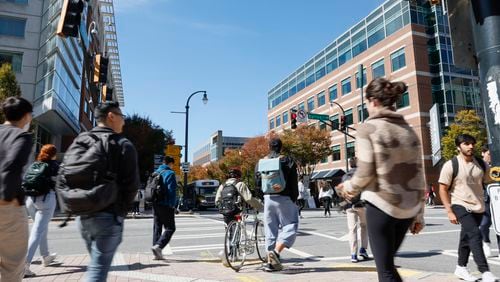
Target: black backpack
86,182
154,188
229,200
36,181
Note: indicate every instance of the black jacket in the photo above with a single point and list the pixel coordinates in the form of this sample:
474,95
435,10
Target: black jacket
15,149
125,165
289,169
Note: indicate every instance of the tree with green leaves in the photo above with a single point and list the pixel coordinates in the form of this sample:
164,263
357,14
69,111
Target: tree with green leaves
8,85
466,122
149,139
307,145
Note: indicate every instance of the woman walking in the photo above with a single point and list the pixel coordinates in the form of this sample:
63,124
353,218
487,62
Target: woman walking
41,209
389,175
325,195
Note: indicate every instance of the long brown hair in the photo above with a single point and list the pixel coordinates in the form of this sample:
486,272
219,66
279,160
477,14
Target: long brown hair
386,92
47,152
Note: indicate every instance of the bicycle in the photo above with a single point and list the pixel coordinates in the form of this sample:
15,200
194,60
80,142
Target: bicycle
238,243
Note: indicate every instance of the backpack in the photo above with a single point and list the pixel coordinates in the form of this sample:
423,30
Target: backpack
154,188
454,165
86,183
273,180
36,181
229,200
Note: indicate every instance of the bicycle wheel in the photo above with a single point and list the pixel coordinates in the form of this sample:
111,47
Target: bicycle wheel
234,245
260,241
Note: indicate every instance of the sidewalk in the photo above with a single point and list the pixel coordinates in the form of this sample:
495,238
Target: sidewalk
141,267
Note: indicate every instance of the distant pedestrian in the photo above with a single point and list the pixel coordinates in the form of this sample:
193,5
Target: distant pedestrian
164,208
277,177
15,149
356,220
461,191
389,175
41,204
485,225
301,199
102,230
325,196
137,202
430,195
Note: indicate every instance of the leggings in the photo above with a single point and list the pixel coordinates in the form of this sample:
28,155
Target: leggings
327,202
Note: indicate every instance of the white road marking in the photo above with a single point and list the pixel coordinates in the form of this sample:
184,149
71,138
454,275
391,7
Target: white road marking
321,235
438,232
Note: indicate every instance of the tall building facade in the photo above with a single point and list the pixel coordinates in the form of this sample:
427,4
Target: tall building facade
214,149
400,40
55,73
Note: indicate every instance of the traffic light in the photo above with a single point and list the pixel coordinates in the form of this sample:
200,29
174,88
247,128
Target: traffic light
71,17
435,2
107,93
293,119
100,69
342,123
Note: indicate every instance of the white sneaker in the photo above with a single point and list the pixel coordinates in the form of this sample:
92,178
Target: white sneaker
486,249
157,252
462,273
489,277
47,260
28,272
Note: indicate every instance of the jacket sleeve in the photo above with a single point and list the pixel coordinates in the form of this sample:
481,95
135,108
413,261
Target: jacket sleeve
219,194
15,160
365,172
128,175
247,196
171,186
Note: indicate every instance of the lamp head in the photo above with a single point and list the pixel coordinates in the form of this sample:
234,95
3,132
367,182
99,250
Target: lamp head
205,98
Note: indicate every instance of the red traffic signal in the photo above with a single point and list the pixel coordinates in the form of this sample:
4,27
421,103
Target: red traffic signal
293,120
342,123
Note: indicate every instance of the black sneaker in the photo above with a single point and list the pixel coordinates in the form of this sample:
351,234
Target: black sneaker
269,268
274,261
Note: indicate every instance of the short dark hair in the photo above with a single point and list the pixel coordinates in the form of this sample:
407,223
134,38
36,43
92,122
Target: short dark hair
14,108
485,148
168,160
462,138
275,144
101,111
234,173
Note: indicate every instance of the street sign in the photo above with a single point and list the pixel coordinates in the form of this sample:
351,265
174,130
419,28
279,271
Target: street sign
185,166
301,116
318,117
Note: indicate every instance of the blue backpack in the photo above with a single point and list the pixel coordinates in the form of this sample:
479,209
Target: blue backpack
273,180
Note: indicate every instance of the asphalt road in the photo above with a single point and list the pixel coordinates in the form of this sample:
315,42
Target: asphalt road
200,236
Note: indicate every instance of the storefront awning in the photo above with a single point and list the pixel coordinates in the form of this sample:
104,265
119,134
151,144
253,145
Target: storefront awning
326,174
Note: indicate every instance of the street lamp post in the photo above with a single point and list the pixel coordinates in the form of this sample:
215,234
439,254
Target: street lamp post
184,188
345,135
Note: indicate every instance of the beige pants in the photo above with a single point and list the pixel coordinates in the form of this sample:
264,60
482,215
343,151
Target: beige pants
356,222
13,242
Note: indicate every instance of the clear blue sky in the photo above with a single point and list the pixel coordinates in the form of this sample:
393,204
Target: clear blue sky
236,50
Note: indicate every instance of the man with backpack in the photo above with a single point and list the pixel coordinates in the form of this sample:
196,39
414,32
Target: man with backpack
15,149
98,181
164,199
277,177
461,191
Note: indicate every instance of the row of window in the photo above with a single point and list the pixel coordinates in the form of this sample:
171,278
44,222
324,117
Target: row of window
12,26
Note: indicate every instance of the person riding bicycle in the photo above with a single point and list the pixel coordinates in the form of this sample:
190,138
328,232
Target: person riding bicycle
233,194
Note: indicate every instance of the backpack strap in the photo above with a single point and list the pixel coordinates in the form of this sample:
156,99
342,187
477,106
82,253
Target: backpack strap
481,163
454,165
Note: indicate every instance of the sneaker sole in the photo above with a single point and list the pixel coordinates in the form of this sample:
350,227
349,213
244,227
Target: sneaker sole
277,266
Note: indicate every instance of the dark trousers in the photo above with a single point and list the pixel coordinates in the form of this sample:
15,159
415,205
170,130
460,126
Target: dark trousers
301,203
386,234
327,201
164,217
136,207
470,238
485,225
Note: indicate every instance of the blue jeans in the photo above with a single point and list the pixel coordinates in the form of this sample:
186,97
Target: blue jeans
40,209
102,233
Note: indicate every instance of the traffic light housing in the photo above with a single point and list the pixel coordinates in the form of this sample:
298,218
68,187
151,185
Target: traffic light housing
342,123
71,17
293,120
100,69
107,93
435,2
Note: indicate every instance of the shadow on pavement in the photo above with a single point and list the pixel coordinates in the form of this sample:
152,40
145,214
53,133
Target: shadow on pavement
418,255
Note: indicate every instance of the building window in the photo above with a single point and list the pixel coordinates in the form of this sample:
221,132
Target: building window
271,124
285,117
398,59
302,106
351,151
324,160
364,79
378,69
310,104
15,59
335,121
12,26
348,117
336,153
322,126
18,1
346,86
278,121
332,92
365,112
404,101
321,99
